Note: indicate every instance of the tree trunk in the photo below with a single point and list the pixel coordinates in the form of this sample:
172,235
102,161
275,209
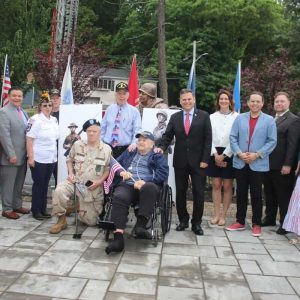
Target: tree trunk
163,85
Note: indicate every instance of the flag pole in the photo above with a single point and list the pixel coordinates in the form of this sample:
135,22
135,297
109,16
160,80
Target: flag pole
5,63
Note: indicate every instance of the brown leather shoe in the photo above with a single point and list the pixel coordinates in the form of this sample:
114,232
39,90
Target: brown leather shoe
22,210
10,215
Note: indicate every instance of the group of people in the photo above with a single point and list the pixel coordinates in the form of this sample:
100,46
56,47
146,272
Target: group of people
254,148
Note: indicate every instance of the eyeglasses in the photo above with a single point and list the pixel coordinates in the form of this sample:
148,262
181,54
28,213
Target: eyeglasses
46,105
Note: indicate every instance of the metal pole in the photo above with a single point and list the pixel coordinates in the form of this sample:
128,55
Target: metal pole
32,98
5,62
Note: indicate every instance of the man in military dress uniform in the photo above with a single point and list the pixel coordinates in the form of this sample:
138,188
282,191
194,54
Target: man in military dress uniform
88,167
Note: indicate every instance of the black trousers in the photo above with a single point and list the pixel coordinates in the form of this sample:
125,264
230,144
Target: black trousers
246,178
118,150
125,194
278,191
198,183
40,174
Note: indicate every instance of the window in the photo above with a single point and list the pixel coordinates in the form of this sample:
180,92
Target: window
103,84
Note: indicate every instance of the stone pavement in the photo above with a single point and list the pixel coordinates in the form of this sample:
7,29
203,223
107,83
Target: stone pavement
219,265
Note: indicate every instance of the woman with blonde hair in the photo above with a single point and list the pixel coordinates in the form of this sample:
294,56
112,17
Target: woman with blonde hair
220,165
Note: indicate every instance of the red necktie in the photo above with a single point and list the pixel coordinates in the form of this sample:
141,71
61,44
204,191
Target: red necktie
187,123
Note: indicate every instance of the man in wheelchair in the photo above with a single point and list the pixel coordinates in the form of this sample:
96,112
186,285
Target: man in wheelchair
144,173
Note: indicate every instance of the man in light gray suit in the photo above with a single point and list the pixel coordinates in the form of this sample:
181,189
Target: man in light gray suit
13,161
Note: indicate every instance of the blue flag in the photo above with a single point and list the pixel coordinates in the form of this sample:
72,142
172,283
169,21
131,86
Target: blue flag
192,79
66,89
237,89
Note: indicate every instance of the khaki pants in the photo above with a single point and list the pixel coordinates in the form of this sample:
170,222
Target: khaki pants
88,210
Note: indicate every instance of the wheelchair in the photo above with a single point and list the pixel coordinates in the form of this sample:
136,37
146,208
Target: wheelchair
159,222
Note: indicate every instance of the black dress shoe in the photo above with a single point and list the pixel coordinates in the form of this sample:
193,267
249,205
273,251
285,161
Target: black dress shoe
142,233
182,226
197,229
267,222
46,215
281,231
38,217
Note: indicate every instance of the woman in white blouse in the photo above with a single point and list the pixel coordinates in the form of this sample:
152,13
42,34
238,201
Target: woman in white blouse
220,165
41,137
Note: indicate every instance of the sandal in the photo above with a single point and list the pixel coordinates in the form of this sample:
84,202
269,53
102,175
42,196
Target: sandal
214,221
222,222
295,241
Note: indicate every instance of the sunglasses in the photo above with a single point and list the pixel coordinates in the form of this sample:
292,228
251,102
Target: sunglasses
46,105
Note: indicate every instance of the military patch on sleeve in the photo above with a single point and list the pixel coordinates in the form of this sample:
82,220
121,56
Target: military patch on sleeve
29,124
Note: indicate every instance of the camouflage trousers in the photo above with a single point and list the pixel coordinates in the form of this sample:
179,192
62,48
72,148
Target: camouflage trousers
89,207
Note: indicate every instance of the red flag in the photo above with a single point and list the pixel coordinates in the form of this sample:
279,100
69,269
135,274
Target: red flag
6,85
133,84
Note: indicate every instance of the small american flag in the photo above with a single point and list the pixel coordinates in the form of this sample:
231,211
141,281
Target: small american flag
114,167
6,86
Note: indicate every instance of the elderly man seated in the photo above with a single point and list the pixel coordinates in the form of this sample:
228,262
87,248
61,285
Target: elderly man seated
88,166
144,173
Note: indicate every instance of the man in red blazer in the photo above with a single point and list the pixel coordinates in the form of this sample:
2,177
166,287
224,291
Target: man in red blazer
192,131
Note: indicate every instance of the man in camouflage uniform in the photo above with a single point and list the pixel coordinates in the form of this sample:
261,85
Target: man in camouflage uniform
88,162
161,127
71,137
148,98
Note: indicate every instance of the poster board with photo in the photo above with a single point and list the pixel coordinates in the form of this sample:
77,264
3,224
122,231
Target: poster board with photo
71,119
156,120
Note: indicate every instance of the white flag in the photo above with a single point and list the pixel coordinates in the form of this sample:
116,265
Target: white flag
66,89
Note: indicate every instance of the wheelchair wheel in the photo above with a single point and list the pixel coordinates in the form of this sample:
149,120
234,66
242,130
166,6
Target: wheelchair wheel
155,237
166,207
169,205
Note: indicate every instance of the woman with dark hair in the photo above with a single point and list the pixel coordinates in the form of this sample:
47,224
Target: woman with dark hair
220,165
41,137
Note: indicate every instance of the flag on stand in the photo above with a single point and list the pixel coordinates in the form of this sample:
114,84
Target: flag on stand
192,79
237,89
6,85
133,84
66,88
114,167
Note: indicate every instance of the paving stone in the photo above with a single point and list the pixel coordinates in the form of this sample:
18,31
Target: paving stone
248,248
249,267
99,255
47,285
99,242
123,296
74,245
37,241
219,261
139,263
221,272
7,278
133,283
17,296
280,268
295,282
91,232
269,284
215,231
212,241
93,270
94,290
178,293
16,259
274,242
272,235
181,237
189,250
279,255
19,224
180,266
256,257
281,247
55,263
180,282
261,296
10,236
224,290
242,237
135,245
224,252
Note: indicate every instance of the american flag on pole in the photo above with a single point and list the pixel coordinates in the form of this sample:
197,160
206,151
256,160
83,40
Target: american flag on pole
114,167
6,85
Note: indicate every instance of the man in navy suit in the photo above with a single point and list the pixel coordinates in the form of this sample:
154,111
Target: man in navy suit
193,137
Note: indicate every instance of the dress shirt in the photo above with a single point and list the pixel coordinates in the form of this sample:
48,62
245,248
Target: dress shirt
221,126
24,117
281,114
130,124
44,133
191,112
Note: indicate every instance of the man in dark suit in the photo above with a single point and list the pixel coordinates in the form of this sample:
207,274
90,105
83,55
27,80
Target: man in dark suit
13,160
279,181
193,137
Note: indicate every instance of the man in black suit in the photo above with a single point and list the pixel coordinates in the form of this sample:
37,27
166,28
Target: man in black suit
279,181
192,130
